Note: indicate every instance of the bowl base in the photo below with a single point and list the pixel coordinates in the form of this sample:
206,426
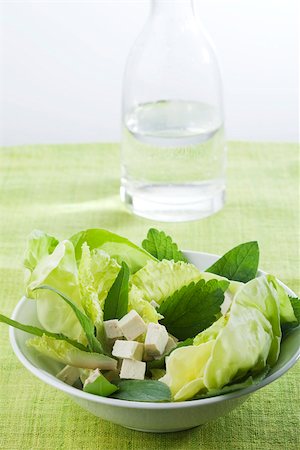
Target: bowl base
173,430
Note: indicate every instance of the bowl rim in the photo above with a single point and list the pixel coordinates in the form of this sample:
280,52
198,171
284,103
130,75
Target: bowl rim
51,380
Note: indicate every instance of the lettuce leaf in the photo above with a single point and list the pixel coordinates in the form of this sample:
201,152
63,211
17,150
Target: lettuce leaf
171,275
39,245
251,338
58,270
185,370
143,307
118,247
67,354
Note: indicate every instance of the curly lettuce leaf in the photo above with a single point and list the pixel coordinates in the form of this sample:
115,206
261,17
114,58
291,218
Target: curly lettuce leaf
85,321
39,332
58,270
118,247
158,280
66,353
142,307
39,245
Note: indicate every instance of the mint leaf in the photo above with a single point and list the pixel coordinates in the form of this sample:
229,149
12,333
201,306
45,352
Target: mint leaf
116,303
239,264
101,386
193,308
295,302
40,332
287,326
143,391
161,362
243,384
85,322
161,246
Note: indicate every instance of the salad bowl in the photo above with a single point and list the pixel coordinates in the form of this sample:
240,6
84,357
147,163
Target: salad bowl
146,416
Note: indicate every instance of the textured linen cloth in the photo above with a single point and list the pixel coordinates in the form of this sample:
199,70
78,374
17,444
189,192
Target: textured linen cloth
66,188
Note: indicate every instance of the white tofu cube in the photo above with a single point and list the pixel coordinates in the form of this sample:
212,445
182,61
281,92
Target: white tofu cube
154,304
128,350
132,325
112,329
156,339
69,375
133,370
171,344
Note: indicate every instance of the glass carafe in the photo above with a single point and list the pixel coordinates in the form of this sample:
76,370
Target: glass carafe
173,146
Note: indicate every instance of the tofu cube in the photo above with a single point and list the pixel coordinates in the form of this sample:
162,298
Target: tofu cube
128,350
112,329
133,370
132,325
156,339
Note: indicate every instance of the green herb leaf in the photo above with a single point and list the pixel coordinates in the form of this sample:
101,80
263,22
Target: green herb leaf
193,308
161,362
161,246
85,322
143,391
242,384
101,386
239,264
295,302
116,303
40,332
287,326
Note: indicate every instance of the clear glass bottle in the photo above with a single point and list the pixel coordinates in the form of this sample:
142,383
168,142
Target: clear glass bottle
173,147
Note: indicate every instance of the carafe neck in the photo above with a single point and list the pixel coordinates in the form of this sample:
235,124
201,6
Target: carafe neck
172,8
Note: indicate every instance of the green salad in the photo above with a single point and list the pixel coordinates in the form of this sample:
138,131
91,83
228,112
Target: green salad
144,324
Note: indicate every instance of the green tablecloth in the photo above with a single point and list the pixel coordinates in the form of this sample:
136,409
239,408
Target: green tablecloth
65,188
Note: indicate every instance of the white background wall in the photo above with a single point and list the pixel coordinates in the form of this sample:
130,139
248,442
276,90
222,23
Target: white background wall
61,65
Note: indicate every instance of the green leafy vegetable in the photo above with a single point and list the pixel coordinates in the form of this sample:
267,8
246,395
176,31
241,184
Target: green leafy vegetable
39,332
249,381
59,270
39,245
193,308
116,303
157,280
101,386
161,246
86,323
143,391
161,362
295,302
239,264
118,247
66,353
287,326
251,338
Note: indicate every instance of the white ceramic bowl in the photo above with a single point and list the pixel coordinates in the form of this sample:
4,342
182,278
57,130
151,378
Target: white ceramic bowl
151,417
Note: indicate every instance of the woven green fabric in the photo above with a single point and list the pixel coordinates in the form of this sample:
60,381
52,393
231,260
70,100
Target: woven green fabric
63,189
